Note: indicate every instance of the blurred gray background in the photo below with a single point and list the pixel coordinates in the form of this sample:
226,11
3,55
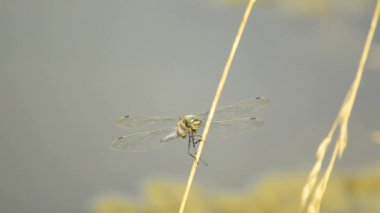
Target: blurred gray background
68,69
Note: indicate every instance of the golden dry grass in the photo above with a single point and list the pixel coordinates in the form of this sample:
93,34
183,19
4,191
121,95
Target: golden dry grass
215,102
315,187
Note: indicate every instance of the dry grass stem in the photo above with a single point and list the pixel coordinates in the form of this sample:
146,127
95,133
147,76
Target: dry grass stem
215,102
314,190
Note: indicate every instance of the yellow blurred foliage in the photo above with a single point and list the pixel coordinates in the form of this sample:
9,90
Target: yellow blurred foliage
295,7
345,193
306,8
376,134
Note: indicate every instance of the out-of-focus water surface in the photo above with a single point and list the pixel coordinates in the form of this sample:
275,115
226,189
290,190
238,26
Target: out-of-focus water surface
68,69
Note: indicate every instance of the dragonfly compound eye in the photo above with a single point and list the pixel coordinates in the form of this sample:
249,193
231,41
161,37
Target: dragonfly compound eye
196,123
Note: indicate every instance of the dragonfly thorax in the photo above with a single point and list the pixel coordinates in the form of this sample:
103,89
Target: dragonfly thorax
187,124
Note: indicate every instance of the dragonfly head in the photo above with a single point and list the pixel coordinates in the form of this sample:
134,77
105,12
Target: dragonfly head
193,122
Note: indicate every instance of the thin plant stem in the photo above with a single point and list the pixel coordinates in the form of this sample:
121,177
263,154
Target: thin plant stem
314,189
215,102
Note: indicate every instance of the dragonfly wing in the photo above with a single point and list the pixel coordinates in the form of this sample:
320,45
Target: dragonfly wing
239,109
229,128
143,124
142,142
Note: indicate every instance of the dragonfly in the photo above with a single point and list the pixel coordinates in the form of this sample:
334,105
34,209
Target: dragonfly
154,131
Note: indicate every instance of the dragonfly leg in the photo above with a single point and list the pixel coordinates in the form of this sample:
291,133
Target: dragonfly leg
191,141
198,136
188,148
199,140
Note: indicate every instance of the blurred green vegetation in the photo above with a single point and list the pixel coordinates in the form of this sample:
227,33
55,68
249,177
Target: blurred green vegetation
299,7
345,193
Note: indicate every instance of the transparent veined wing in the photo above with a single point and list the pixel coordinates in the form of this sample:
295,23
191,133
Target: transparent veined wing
231,127
244,108
146,123
141,142
233,119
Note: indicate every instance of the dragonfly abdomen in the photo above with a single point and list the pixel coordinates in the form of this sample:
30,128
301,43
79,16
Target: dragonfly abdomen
170,136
